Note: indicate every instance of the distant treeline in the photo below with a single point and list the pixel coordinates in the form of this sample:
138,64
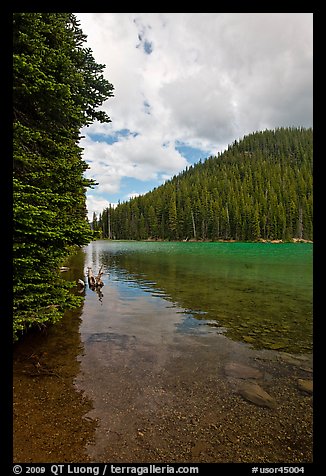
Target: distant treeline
260,188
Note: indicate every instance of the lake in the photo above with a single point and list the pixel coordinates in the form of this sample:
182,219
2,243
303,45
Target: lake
156,360
255,292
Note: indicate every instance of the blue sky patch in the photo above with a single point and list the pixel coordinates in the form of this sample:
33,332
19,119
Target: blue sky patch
112,138
192,154
148,48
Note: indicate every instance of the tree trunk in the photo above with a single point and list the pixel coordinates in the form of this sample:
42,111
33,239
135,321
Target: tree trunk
193,224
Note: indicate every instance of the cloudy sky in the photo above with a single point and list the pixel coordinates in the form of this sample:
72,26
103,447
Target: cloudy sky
186,86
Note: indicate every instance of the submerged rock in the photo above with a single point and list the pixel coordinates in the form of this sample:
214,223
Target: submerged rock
235,369
305,385
277,345
255,394
296,360
248,339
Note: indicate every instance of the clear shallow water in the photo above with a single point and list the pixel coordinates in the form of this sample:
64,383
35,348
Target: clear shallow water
138,373
258,293
158,338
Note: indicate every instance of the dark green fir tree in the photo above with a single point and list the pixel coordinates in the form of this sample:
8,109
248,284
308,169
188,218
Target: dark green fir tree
57,89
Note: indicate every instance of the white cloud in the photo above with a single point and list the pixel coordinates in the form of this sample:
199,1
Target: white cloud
136,157
95,204
133,195
210,78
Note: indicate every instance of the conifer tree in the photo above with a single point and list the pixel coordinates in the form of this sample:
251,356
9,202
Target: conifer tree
57,89
259,188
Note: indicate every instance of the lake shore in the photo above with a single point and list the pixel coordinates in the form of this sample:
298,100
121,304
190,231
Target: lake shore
190,354
163,407
192,240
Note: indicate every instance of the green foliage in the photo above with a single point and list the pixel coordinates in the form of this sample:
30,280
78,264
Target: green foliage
57,88
260,188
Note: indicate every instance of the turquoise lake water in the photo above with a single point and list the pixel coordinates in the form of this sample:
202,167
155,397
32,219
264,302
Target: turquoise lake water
145,359
258,293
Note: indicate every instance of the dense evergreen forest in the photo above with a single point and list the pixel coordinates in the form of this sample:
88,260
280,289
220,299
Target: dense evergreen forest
57,89
259,188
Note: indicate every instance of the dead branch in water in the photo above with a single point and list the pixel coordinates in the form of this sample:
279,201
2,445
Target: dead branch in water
94,281
98,279
91,278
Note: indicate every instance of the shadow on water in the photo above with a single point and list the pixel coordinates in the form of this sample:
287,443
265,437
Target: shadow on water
49,412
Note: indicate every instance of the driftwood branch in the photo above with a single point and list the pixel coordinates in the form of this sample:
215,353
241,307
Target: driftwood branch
94,281
98,280
90,277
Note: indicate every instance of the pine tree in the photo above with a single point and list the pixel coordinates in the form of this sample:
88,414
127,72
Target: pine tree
57,88
173,233
259,188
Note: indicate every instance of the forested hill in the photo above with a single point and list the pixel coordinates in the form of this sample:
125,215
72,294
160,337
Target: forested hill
260,188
